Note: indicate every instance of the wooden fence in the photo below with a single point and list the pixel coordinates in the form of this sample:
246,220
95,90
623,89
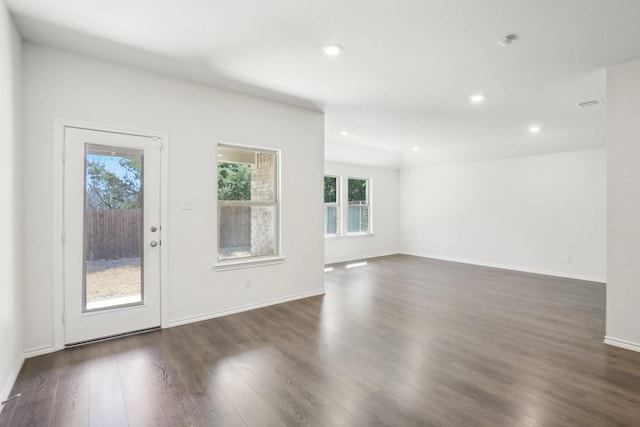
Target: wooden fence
113,234
116,233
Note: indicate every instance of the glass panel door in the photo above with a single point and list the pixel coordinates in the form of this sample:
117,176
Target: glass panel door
112,233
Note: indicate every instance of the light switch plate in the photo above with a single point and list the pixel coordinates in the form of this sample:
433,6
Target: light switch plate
187,204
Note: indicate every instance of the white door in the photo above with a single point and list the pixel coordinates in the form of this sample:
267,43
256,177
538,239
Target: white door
111,233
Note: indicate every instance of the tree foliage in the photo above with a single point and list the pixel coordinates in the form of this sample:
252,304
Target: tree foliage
330,190
114,189
357,190
234,181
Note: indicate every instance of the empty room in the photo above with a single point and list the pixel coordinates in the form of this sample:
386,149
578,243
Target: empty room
339,213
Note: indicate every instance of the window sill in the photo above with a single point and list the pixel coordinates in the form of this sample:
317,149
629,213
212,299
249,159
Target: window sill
247,263
333,236
348,235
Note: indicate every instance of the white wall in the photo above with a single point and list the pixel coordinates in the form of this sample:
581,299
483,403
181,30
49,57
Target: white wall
525,214
197,117
343,151
11,335
623,177
384,205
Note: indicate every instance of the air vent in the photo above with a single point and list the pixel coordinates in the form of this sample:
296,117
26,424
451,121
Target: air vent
591,103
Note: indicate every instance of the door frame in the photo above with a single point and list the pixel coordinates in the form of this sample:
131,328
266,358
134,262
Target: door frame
58,217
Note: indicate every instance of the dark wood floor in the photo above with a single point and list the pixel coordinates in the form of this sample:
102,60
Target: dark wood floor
403,341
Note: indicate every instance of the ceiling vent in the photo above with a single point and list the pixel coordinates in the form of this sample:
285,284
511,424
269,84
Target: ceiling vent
591,103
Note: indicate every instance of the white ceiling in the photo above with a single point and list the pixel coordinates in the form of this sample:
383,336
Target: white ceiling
404,77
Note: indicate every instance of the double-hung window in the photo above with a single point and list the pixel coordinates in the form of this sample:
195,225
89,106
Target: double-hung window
331,206
248,212
358,217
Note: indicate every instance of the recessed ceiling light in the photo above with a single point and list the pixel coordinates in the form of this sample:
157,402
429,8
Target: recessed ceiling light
507,40
534,129
416,148
344,132
478,97
332,49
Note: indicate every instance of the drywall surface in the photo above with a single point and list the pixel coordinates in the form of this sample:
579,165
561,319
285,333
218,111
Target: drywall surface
384,214
544,214
343,151
60,84
11,330
623,179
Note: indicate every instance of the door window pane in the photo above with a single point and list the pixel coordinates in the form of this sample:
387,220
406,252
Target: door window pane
112,227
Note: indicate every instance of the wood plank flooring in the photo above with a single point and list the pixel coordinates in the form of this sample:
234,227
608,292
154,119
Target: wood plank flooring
402,341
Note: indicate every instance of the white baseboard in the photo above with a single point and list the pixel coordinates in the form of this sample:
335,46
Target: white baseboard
12,379
358,258
199,318
622,343
39,351
512,267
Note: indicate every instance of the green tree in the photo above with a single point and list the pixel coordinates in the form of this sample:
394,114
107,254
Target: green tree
234,181
330,189
114,189
357,190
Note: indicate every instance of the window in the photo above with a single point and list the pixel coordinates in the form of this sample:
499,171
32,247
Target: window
248,213
358,198
331,206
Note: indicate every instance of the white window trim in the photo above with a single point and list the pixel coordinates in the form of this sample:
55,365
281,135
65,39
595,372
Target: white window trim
252,261
337,205
369,231
248,262
350,235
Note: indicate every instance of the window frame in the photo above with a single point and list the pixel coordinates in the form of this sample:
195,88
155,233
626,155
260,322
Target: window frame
251,260
368,206
337,205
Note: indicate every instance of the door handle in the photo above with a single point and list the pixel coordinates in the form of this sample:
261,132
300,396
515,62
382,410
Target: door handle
154,243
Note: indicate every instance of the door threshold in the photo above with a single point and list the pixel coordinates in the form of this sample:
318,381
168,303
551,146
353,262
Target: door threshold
112,337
